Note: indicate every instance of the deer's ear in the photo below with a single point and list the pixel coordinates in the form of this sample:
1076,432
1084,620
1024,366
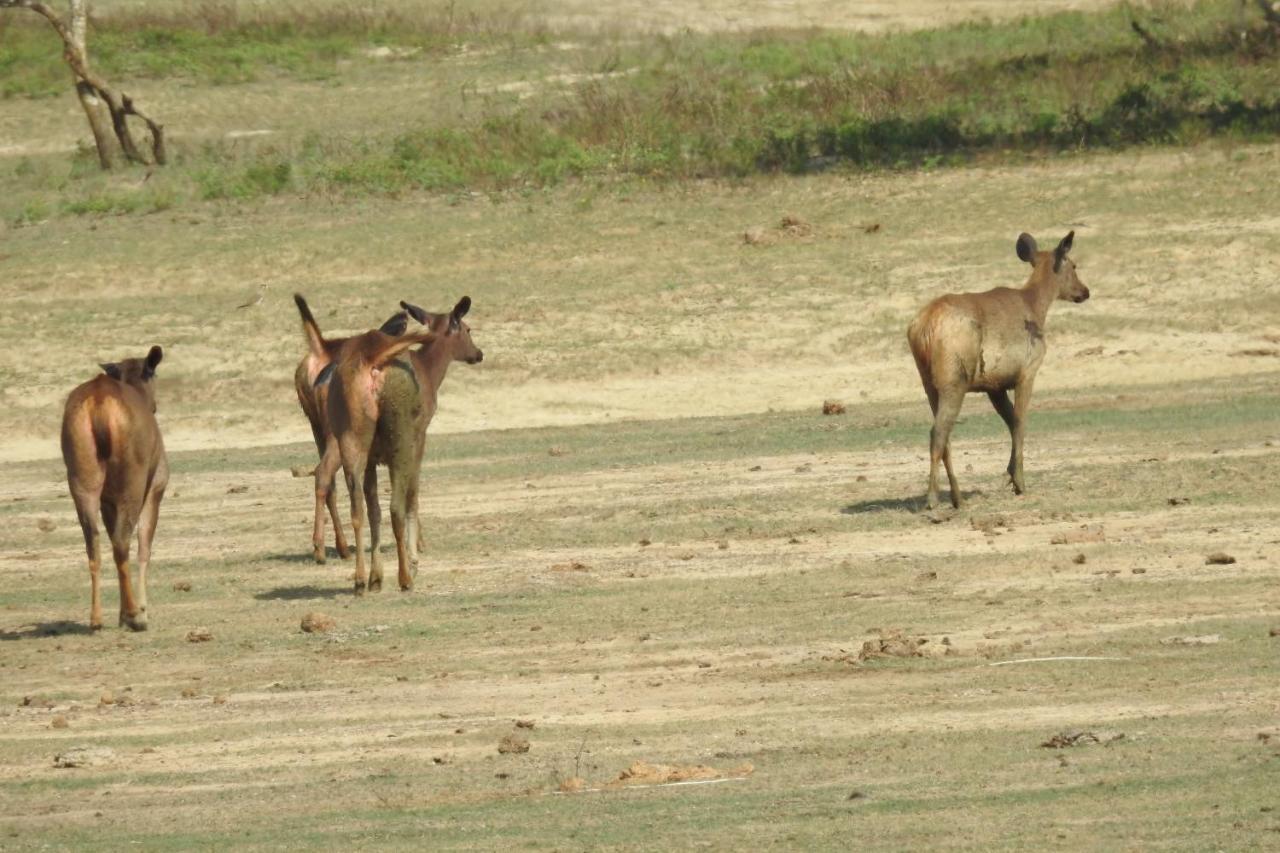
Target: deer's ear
416,313
154,355
1026,248
112,370
325,375
395,325
459,311
1061,252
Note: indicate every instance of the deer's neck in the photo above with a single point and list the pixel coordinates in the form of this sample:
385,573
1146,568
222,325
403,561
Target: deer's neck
1041,292
435,364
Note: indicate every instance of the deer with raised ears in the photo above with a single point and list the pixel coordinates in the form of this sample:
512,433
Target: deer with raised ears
372,407
116,468
430,364
991,342
311,396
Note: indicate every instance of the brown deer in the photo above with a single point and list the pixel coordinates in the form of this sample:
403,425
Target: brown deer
372,408
116,467
320,354
430,363
992,342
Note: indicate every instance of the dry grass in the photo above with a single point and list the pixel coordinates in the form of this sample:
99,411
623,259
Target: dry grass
647,547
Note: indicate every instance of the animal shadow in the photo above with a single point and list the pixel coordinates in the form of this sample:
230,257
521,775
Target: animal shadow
913,505
300,593
303,556
58,628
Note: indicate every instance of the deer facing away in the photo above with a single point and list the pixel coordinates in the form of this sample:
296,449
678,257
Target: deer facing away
321,352
116,468
991,342
372,404
382,418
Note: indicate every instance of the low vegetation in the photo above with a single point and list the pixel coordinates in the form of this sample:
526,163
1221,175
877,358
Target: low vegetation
683,106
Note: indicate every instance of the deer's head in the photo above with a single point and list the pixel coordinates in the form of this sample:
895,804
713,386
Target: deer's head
137,372
1055,265
452,332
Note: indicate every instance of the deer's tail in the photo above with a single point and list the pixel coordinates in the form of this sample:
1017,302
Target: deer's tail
315,340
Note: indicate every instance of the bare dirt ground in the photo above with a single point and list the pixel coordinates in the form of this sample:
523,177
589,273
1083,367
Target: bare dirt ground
666,602
632,560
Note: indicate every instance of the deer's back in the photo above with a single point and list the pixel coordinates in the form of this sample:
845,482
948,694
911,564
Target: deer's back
985,341
108,427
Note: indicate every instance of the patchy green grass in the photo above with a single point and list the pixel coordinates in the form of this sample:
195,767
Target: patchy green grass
684,106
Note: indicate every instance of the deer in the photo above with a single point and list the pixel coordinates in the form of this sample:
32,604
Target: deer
991,342
406,402
116,468
430,364
311,397
372,409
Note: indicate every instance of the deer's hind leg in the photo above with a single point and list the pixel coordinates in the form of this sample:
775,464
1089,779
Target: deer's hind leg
946,408
1004,407
147,529
375,525
120,514
326,497
88,506
1021,405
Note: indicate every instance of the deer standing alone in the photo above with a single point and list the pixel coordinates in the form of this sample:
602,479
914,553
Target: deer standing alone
116,467
321,352
992,342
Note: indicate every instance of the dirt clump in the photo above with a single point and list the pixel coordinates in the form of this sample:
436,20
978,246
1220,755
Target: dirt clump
571,566
1219,558
84,756
644,773
46,525
525,724
182,586
988,523
572,785
513,744
199,635
893,645
794,226
316,622
1081,738
59,722
1202,640
1090,533
832,407
35,702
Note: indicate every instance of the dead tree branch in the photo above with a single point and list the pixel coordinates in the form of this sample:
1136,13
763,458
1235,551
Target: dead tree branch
94,91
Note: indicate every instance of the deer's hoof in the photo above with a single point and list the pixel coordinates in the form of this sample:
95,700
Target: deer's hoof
137,622
359,590
318,553
375,584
